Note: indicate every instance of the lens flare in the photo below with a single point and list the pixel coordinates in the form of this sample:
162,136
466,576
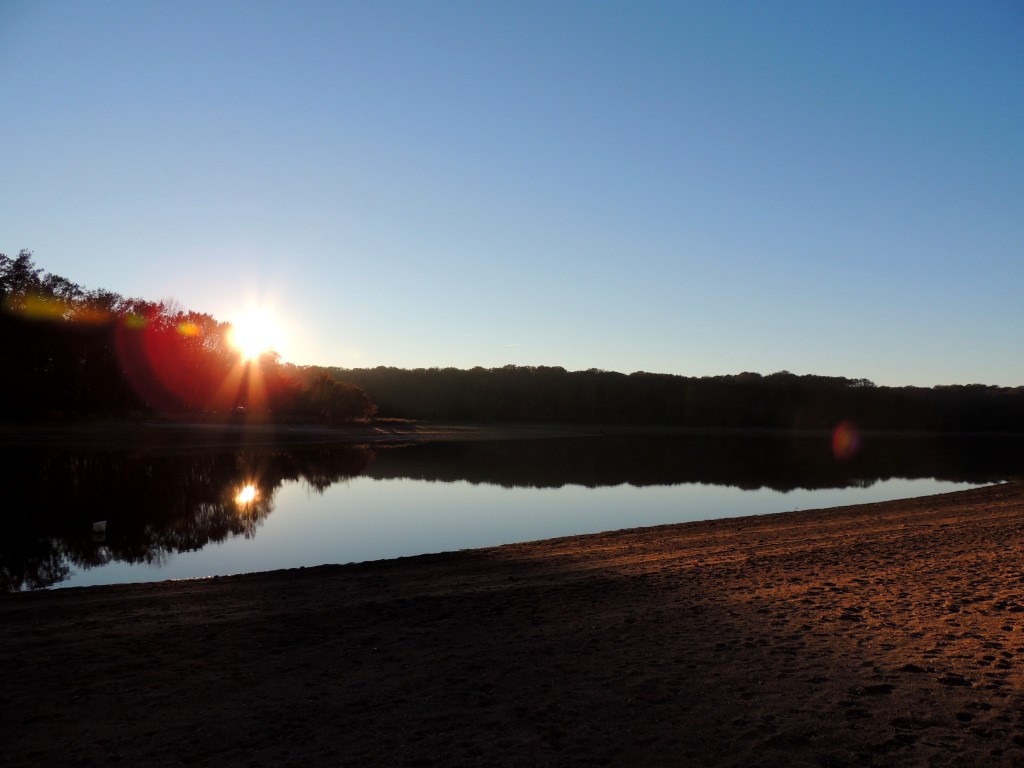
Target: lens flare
845,440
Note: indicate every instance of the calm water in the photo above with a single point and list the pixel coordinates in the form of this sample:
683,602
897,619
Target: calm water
170,515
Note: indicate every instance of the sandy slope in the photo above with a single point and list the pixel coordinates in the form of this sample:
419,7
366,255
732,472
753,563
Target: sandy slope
888,634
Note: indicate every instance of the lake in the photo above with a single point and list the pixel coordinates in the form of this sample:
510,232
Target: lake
83,517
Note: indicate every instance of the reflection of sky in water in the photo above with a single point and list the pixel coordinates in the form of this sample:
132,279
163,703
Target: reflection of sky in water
367,519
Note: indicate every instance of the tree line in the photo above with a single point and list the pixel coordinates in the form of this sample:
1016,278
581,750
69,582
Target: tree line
780,400
69,351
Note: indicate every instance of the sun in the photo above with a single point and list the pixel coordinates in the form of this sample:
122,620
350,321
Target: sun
254,333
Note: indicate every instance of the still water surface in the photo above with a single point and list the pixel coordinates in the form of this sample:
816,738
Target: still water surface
172,515
371,519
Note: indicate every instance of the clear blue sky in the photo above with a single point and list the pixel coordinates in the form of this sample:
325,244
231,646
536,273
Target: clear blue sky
694,188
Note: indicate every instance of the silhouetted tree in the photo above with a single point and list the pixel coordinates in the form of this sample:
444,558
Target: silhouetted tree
781,400
67,350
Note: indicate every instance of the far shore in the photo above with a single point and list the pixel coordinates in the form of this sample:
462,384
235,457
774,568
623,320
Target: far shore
877,635
226,434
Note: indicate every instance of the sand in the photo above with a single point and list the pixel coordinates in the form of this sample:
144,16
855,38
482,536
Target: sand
884,634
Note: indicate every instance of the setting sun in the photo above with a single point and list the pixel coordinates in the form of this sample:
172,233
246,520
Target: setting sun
255,333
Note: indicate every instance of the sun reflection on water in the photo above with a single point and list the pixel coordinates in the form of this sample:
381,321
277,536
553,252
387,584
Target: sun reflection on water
246,495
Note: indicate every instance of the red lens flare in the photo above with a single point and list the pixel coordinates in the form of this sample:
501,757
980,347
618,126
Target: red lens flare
845,440
164,361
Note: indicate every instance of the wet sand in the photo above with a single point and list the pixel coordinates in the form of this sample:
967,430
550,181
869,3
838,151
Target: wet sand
884,634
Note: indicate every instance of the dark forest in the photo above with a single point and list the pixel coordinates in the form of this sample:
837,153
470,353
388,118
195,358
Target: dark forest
70,352
780,400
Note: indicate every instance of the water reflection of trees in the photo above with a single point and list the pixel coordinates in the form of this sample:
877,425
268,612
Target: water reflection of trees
744,460
156,504
153,504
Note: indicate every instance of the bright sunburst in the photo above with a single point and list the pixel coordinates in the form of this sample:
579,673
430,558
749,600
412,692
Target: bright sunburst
254,333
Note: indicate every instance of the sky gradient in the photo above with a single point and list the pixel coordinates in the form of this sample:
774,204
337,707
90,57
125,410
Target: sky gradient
691,188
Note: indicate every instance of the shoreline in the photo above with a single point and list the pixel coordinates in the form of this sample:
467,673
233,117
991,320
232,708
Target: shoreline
880,634
226,435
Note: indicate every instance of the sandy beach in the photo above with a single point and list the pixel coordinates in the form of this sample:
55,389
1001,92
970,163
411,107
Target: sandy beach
886,634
